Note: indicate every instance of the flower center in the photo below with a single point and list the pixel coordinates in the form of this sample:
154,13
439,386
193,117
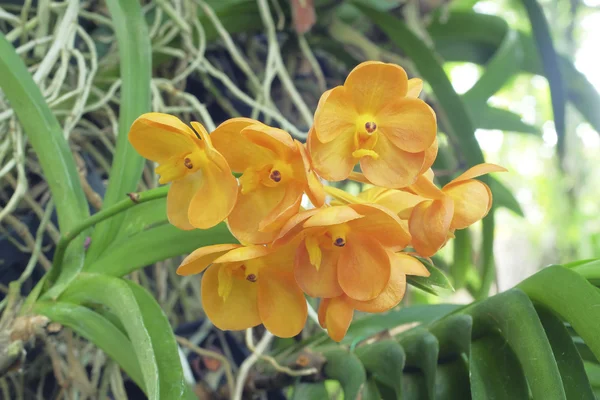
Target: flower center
370,127
328,239
365,138
270,175
179,166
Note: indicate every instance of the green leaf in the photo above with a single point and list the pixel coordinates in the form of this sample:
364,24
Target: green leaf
156,244
513,316
140,218
570,365
370,391
505,63
488,265
422,349
550,65
498,118
384,360
116,294
590,270
98,330
371,324
166,351
452,381
304,390
454,336
503,197
571,296
495,371
53,152
463,257
346,368
430,284
135,61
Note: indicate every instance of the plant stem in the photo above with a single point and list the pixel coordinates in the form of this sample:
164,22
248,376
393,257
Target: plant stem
123,205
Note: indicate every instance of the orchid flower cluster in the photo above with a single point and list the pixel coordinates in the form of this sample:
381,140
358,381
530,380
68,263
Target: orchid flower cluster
352,253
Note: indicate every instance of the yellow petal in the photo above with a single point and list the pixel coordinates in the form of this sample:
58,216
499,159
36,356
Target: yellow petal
239,311
239,152
408,123
335,315
399,202
201,131
430,156
429,225
158,137
425,187
472,202
243,253
390,296
252,208
275,140
217,195
415,86
281,303
343,196
333,160
314,189
179,198
380,224
322,282
335,116
374,84
478,170
201,258
407,264
328,216
287,208
395,168
363,268
293,227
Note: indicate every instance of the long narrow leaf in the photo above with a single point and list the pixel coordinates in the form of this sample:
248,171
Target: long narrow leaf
135,64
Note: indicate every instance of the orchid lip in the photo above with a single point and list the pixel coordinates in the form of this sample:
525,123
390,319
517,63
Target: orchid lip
188,163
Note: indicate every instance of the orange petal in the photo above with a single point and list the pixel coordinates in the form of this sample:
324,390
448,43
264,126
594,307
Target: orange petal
287,208
276,140
333,161
395,168
314,190
201,258
397,201
408,123
293,227
335,116
158,136
239,152
429,225
363,267
179,197
374,84
380,224
391,295
472,202
328,216
408,265
478,170
317,283
251,208
239,311
281,303
430,156
425,187
415,86
243,253
216,198
335,315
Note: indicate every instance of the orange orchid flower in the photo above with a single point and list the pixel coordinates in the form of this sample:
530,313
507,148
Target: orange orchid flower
344,249
203,190
335,314
276,172
244,286
374,119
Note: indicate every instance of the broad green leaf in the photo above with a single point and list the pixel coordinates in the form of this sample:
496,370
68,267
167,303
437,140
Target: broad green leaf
503,197
571,296
384,360
430,284
156,244
512,315
371,324
505,63
346,368
166,351
495,370
53,152
590,270
135,63
142,217
98,330
304,390
550,65
498,118
370,391
593,372
584,351
116,294
463,257
414,385
422,349
452,381
570,365
454,336
488,266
